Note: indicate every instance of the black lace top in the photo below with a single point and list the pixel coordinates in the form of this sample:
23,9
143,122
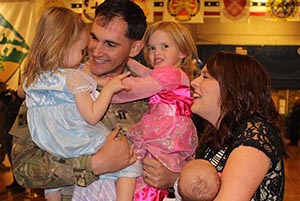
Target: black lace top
262,136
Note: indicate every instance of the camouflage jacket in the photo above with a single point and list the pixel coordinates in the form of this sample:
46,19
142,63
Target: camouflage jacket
35,168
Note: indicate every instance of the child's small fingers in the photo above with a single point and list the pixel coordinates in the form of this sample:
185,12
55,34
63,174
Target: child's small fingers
124,75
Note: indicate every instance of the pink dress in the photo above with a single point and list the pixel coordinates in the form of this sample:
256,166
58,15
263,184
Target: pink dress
166,132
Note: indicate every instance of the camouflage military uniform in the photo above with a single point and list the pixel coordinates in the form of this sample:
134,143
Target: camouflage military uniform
35,168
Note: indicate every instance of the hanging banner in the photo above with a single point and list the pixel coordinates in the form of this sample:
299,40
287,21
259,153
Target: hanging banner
158,7
184,11
88,9
17,29
234,10
84,8
258,8
283,10
211,8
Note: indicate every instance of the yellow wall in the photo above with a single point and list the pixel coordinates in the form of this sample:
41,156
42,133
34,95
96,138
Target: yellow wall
258,31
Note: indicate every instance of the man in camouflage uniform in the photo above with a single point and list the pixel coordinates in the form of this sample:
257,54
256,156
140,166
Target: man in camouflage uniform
111,44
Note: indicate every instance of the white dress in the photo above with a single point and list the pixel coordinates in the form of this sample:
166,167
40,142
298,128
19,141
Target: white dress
55,123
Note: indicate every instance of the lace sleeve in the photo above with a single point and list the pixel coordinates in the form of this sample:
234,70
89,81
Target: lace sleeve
260,135
78,81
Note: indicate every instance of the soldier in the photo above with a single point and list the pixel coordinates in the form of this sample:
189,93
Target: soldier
116,35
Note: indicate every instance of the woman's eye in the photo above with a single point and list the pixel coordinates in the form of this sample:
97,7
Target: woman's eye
204,75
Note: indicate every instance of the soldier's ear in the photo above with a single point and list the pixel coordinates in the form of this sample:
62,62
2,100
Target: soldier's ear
136,47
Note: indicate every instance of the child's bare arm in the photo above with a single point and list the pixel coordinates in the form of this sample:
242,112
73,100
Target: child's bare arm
93,111
21,92
125,188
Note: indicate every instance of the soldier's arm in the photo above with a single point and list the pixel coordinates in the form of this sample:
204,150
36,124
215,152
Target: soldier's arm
35,168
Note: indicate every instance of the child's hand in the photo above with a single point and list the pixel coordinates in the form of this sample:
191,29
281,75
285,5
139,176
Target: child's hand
101,81
116,84
21,92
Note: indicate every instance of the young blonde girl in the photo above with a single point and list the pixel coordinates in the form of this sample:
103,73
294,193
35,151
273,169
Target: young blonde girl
64,108
166,132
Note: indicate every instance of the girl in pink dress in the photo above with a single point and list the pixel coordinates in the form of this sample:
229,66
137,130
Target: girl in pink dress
166,132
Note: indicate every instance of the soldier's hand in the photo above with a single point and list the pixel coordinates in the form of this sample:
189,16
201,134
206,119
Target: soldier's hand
115,154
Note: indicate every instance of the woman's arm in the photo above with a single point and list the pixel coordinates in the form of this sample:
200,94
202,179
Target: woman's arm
245,169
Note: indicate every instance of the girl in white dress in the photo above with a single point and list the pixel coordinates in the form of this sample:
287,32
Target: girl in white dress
64,108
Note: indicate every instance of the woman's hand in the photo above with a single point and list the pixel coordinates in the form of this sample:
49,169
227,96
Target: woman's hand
157,175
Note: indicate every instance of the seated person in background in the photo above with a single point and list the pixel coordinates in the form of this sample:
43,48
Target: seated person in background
198,180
